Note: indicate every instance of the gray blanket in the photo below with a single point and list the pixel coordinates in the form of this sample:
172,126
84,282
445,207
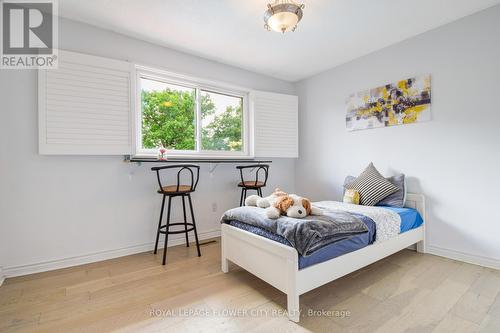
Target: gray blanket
307,234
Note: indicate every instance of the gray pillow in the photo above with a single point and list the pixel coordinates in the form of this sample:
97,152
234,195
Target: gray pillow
372,186
397,199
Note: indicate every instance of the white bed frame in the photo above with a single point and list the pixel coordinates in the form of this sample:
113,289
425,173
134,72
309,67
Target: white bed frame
277,264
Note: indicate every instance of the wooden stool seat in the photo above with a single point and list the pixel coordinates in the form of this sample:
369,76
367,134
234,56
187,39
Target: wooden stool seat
254,185
173,189
251,184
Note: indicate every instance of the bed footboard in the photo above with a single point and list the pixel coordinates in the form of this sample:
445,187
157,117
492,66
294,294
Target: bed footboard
275,263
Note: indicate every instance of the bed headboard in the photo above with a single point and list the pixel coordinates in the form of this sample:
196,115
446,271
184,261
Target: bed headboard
416,201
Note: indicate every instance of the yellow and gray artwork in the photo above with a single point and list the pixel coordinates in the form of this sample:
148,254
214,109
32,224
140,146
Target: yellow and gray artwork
404,102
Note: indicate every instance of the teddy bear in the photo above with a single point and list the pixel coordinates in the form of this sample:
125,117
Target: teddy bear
281,203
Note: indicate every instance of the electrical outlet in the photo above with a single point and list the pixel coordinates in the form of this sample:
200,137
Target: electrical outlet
214,207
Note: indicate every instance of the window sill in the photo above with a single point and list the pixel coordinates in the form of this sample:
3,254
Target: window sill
193,157
184,159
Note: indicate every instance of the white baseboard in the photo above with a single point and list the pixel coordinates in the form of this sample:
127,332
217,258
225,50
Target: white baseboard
13,271
465,257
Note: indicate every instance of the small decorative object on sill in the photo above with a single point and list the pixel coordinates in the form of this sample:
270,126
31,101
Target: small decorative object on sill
162,154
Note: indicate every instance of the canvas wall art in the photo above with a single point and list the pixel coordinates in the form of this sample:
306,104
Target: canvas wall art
404,102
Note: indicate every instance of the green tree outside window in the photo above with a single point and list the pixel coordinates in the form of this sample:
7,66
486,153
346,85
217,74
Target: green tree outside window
169,120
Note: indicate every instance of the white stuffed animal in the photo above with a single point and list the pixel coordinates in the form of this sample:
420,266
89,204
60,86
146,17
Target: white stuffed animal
280,203
265,202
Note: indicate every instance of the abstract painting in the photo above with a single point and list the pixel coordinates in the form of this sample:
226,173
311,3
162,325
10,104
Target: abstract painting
404,102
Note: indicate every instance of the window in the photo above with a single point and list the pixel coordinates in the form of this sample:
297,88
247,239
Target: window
190,118
168,115
221,122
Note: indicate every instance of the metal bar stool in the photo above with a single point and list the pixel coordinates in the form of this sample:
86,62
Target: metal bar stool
176,190
256,184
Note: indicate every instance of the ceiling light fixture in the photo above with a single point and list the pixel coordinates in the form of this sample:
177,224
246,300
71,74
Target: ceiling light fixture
283,16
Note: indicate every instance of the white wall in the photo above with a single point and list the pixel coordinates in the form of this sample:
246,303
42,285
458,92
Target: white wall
62,207
453,159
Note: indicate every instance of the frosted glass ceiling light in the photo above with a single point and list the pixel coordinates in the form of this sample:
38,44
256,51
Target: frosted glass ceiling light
283,16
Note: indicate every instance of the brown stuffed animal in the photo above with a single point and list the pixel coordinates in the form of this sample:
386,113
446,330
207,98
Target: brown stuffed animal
292,205
281,203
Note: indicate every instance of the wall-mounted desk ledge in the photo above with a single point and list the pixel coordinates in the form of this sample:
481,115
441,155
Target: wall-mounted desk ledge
139,161
179,160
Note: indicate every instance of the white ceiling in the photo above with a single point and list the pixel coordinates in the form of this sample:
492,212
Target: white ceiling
332,32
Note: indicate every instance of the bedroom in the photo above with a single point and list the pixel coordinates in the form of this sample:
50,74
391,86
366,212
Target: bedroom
79,218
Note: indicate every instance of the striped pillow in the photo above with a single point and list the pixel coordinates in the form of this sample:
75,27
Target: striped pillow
372,186
397,199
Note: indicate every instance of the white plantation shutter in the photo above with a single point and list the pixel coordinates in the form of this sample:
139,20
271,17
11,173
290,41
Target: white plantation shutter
276,125
85,106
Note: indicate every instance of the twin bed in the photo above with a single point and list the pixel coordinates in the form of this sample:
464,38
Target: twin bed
272,258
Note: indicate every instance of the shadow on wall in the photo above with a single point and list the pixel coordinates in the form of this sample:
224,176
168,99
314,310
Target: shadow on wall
332,190
437,224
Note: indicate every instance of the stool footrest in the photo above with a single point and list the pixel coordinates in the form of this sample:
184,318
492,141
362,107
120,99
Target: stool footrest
178,231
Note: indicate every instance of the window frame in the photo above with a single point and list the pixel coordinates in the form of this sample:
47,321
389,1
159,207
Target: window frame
198,85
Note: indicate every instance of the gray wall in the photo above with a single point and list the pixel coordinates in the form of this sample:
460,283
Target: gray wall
453,159
60,207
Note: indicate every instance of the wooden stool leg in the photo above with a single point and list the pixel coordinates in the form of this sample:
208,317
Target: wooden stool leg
185,220
166,231
159,225
194,226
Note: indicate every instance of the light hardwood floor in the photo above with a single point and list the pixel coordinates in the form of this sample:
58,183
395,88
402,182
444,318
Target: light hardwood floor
407,292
